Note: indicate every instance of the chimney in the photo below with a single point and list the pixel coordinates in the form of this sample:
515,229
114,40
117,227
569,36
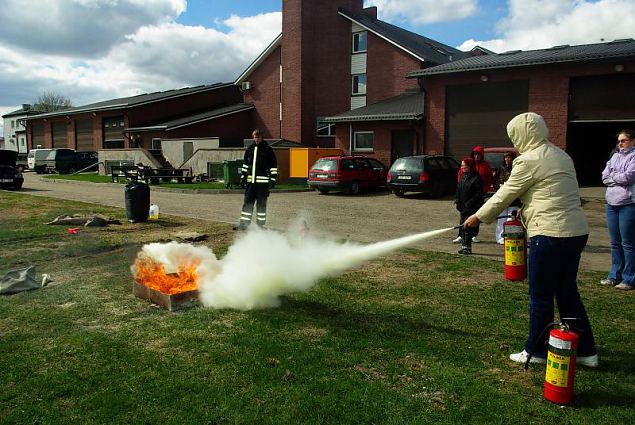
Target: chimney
370,11
26,106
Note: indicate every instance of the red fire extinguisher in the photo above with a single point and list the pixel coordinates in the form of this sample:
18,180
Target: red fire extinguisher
561,354
515,249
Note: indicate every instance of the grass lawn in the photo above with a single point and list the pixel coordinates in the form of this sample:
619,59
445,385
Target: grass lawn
413,338
96,178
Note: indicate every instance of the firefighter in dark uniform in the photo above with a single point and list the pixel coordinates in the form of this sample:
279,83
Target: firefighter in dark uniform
259,173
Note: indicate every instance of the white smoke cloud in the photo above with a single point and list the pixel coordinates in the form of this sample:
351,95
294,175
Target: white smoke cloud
538,24
263,265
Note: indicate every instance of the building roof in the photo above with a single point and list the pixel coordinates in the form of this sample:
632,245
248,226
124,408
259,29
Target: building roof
194,119
422,48
624,48
132,101
20,111
406,106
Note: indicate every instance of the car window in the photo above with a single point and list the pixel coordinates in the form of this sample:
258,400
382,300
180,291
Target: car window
432,164
495,159
325,164
410,164
31,154
51,155
447,163
376,164
348,164
361,163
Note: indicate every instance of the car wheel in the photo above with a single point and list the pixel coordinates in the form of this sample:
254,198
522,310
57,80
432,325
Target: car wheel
17,186
323,191
70,170
398,192
354,190
39,170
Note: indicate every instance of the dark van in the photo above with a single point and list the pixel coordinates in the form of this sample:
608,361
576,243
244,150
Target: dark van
68,161
435,175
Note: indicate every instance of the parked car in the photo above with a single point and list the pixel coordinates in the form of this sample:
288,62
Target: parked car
10,176
21,162
68,161
348,174
34,159
494,156
431,174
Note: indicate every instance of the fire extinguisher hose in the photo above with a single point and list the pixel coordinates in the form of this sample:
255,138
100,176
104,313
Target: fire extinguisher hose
542,334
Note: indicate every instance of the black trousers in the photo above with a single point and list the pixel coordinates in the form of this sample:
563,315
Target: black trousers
255,193
467,234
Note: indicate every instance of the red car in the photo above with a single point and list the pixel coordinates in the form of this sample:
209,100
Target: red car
347,174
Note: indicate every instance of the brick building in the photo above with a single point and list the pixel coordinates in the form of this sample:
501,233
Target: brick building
584,92
144,120
334,56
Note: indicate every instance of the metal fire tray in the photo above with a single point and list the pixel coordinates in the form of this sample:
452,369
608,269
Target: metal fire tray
172,302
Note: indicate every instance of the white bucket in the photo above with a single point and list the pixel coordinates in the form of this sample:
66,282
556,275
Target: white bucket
154,212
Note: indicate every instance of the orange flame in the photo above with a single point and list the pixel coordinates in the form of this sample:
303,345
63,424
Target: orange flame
152,274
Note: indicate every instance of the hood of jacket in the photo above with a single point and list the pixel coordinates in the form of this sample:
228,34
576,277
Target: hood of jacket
479,150
527,132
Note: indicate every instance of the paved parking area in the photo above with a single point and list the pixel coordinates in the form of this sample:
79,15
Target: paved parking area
368,217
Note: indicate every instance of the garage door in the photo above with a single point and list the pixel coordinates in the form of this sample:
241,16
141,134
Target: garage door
59,135
599,107
37,136
477,114
84,135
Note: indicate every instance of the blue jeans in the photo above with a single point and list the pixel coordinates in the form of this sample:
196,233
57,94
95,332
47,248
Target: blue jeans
621,223
553,271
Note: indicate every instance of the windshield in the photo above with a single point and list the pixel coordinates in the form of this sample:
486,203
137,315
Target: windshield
325,165
409,164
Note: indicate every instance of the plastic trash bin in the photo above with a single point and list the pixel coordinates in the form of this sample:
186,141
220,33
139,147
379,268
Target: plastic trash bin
231,172
137,197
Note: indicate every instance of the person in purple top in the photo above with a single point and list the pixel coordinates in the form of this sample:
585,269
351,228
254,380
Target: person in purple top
619,177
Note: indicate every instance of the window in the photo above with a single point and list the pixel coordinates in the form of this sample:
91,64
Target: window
359,42
325,129
363,141
376,164
359,84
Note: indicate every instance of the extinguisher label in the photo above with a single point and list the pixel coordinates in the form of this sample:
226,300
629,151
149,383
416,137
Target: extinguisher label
559,343
557,369
514,252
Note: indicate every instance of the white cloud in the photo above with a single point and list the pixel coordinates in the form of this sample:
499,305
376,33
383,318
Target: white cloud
80,28
538,24
147,53
423,11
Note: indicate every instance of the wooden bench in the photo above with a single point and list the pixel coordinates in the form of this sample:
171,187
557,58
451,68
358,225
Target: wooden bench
129,172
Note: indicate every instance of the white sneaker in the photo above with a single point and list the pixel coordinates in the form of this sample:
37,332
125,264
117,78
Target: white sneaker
476,240
588,361
501,241
522,358
457,240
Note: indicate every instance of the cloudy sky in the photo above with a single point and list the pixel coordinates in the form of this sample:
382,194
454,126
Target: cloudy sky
93,50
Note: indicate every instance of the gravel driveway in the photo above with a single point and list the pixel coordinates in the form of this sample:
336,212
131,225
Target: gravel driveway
368,217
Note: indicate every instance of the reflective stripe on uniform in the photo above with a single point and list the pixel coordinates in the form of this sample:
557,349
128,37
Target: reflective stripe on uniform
253,164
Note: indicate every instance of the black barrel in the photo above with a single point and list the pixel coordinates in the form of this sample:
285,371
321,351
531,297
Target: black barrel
137,201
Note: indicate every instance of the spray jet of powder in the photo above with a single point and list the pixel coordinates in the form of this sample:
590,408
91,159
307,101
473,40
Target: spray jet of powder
263,265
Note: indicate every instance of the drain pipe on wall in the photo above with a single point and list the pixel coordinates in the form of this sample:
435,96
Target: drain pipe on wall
350,138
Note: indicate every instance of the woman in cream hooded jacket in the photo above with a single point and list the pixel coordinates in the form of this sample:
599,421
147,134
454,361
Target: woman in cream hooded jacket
543,178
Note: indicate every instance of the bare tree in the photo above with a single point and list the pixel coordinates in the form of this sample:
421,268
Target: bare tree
50,101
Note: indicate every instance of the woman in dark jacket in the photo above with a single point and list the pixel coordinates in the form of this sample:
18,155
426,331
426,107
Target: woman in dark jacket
469,198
